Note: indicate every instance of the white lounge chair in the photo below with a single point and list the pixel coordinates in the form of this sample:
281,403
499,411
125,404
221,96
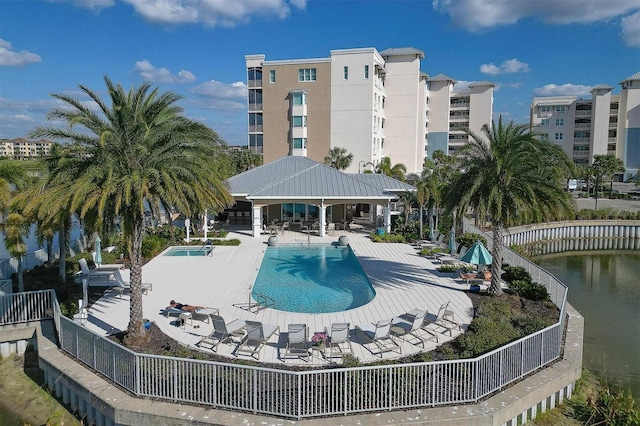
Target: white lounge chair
222,332
255,339
339,342
411,324
445,319
123,283
86,273
106,266
379,334
297,342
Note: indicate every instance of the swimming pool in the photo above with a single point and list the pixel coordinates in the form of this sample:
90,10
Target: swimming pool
189,251
313,279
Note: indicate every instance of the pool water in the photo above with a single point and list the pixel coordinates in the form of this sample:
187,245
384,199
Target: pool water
189,251
313,279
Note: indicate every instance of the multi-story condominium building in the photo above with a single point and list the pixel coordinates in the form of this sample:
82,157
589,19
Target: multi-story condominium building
373,104
23,149
604,124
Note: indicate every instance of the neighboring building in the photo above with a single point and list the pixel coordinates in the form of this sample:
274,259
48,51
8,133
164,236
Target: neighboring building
23,149
604,124
373,104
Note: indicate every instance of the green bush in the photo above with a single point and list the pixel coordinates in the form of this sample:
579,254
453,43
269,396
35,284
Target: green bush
491,328
447,268
430,251
152,245
515,273
468,238
528,290
387,238
231,242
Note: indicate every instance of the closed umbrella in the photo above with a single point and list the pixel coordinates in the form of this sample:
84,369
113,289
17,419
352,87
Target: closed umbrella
452,241
477,255
98,258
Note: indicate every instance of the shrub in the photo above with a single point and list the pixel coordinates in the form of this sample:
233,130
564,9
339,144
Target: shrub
152,245
429,251
448,268
491,328
528,290
468,238
387,238
515,273
231,242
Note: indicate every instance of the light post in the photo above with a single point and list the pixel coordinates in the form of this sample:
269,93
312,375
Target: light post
362,164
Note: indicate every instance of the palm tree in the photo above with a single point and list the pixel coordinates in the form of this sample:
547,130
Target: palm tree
604,168
338,158
396,171
512,176
137,153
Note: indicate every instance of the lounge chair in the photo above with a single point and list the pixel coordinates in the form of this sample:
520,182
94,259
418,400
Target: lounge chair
379,334
106,266
445,319
339,340
411,324
297,342
123,283
222,332
86,273
255,339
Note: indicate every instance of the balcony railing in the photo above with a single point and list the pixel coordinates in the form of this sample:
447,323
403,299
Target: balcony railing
255,107
255,83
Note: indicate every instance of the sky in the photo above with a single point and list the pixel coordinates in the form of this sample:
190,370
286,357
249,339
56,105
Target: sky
196,48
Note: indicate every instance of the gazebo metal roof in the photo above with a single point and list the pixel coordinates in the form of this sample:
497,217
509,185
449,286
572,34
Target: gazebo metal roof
300,178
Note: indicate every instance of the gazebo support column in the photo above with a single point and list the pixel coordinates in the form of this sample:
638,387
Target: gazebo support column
256,220
323,219
387,218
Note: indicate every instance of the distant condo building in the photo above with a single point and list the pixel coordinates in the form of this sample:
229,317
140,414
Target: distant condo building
604,124
23,149
373,104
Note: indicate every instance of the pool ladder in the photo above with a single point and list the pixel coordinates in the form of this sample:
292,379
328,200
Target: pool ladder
261,302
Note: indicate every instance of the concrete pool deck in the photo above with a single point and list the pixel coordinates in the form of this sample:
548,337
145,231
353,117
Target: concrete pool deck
403,281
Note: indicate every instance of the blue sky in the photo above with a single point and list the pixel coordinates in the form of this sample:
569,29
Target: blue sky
196,48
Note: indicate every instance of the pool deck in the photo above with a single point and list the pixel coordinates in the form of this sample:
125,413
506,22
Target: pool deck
403,281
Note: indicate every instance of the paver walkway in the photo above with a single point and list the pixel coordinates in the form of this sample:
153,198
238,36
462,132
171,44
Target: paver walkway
403,281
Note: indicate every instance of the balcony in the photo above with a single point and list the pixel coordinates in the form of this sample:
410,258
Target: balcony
255,107
255,83
583,113
256,128
582,125
587,139
613,125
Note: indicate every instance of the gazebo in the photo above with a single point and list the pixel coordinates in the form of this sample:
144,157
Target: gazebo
300,181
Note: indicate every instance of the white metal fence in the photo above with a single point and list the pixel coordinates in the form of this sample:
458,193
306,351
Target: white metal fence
302,394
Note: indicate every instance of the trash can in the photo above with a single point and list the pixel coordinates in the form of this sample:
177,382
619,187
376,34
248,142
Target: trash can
379,231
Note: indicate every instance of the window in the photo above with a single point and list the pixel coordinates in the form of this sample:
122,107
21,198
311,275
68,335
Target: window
299,143
272,76
299,121
346,73
545,122
580,135
560,109
307,74
299,99
559,136
255,119
559,121
582,148
544,136
545,108
255,140
366,71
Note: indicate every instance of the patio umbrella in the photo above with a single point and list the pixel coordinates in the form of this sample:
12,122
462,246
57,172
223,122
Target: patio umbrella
98,258
452,241
477,255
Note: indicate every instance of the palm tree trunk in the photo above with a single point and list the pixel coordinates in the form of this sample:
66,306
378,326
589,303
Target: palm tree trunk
20,275
420,221
136,325
62,241
496,263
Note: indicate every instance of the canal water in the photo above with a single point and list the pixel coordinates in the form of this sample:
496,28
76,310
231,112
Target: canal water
604,286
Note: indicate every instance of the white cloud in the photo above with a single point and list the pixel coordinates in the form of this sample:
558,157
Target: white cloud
212,12
221,96
509,66
567,89
12,58
91,4
631,29
461,85
162,75
477,15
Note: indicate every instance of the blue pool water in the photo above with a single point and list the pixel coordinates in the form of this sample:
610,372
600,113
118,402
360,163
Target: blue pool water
189,251
316,279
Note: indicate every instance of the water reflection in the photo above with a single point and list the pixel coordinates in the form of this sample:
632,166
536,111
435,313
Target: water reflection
604,287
